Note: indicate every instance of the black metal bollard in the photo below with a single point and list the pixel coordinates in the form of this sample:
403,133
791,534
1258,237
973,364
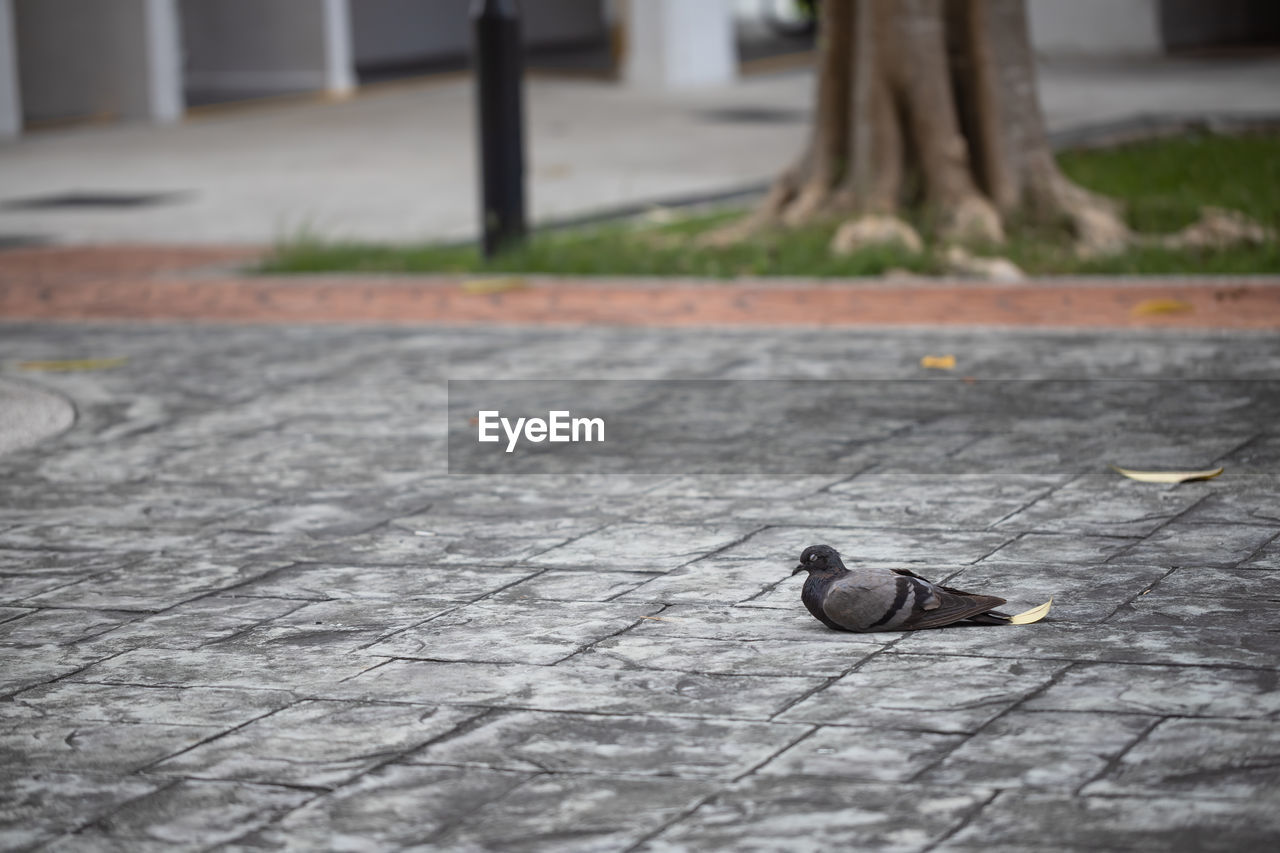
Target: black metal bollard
499,70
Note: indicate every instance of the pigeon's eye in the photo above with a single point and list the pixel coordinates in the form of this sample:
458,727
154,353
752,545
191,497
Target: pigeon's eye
813,558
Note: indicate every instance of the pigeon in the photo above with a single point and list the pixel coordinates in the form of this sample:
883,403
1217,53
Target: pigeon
879,599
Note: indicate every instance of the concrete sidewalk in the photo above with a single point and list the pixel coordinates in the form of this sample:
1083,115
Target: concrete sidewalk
397,162
245,608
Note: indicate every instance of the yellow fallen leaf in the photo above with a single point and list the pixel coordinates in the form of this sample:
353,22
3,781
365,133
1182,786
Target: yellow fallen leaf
1167,476
486,286
1035,614
1150,307
939,362
74,364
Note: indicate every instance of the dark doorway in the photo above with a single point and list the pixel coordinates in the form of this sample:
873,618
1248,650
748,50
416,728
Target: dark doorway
1197,25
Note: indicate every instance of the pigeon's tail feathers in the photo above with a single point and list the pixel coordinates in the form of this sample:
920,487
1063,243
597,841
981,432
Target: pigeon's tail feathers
992,617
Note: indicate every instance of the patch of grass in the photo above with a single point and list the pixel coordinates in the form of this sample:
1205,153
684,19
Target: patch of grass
1163,185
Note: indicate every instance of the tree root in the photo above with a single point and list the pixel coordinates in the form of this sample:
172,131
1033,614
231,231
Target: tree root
972,220
873,230
1217,229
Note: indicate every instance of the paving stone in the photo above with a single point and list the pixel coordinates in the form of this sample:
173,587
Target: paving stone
25,572
576,688
1250,497
67,743
785,593
704,486
192,813
1027,750
195,623
1032,820
756,625
318,582
1164,690
1200,758
265,666
731,657
534,741
89,539
92,841
1214,545
1104,503
8,614
511,632
1250,617
174,706
887,499
69,626
1091,442
864,754
319,744
1250,582
642,547
392,546
868,545
897,691
154,583
1266,557
343,620
1069,548
485,514
287,462
391,808
1194,645
710,581
40,805
146,505
582,585
1089,593
316,519
26,666
575,814
807,814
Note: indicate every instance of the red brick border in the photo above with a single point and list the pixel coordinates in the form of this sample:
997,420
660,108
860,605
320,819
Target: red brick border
178,284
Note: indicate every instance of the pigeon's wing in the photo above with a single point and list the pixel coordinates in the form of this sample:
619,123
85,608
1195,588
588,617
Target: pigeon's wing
899,602
952,590
943,606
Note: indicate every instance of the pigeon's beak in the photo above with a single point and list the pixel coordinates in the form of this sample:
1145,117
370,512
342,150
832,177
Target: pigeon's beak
797,570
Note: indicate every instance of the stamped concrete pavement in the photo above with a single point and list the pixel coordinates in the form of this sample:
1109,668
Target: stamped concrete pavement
245,607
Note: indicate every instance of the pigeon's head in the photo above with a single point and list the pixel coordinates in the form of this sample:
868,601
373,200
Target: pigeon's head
819,558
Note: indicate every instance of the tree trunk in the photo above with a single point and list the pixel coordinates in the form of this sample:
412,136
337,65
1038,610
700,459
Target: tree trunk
933,103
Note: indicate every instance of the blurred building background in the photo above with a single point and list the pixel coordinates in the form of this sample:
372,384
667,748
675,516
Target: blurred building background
72,60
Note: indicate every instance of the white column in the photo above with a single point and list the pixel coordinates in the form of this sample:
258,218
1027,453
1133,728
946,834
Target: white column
10,99
140,57
164,98
339,64
673,44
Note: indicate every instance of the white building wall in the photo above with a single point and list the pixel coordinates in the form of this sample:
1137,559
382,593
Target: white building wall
673,44
261,47
10,101
114,58
1095,27
389,32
